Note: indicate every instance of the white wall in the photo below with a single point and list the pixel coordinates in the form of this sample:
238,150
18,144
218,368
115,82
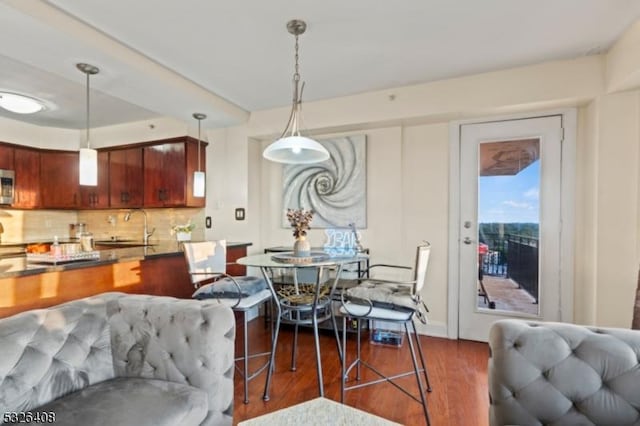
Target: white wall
408,169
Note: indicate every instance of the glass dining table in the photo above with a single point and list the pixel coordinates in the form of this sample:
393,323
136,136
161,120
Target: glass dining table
301,303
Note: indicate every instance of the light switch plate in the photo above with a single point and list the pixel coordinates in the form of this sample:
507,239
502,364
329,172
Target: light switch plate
207,222
240,213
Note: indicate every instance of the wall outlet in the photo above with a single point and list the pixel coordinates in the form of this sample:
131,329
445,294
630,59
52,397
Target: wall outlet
240,213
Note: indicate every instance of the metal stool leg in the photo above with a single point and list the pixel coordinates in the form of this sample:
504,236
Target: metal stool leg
294,349
417,371
343,360
422,361
245,357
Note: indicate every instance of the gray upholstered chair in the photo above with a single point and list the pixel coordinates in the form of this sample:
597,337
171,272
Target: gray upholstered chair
389,301
563,374
207,263
118,359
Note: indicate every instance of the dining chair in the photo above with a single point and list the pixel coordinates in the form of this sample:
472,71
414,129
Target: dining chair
390,301
207,262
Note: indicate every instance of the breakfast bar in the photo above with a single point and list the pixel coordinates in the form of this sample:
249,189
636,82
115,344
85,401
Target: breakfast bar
158,269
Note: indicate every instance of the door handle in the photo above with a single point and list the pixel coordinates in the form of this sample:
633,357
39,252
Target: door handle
467,240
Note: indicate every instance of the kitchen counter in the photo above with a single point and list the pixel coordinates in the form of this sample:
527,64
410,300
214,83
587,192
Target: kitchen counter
19,266
158,269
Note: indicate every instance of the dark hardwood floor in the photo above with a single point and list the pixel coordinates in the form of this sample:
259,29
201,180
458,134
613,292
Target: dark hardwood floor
457,369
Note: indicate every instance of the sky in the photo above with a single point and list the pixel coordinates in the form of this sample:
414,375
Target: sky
510,199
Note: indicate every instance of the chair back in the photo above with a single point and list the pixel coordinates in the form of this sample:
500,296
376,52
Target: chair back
206,260
420,270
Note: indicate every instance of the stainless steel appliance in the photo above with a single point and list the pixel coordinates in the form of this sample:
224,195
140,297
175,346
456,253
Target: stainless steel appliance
7,185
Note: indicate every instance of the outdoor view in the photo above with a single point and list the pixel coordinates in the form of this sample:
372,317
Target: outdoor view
508,225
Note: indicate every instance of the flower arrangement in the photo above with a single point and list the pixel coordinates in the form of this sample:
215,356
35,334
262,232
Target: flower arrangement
300,220
187,228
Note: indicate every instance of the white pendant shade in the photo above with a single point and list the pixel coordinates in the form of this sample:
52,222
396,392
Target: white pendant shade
88,167
198,184
296,150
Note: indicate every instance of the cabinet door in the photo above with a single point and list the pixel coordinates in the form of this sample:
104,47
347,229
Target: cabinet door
6,157
165,175
126,178
59,180
27,187
97,197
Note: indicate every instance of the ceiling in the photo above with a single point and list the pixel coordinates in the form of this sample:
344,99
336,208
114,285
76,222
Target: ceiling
229,58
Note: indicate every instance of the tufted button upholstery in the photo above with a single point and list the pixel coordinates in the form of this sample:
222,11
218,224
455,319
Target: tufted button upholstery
563,374
49,355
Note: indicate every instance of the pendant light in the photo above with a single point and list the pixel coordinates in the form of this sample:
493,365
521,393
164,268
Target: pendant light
88,156
198,176
292,147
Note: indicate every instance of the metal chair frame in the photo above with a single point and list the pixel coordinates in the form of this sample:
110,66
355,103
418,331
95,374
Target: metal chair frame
345,311
211,277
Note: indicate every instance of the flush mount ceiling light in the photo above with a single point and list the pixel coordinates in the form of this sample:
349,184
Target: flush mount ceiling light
88,156
198,176
292,147
20,104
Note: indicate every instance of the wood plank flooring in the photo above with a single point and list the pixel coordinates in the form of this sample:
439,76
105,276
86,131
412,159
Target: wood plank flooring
457,369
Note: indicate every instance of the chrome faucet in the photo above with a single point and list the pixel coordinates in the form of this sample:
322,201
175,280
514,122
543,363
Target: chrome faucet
145,232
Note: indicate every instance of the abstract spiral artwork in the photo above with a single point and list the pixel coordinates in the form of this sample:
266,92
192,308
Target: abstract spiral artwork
336,189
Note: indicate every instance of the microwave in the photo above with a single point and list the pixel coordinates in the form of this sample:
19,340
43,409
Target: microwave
7,185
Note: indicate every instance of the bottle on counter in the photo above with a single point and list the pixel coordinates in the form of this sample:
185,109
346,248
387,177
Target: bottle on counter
86,241
56,248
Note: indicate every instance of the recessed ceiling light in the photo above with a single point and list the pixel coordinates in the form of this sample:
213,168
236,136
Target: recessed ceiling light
20,104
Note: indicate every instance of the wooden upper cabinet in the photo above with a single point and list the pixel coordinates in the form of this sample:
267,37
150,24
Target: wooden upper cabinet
59,180
165,175
27,187
150,174
97,197
126,177
6,157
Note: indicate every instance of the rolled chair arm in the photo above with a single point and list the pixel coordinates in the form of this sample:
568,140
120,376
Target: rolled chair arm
183,341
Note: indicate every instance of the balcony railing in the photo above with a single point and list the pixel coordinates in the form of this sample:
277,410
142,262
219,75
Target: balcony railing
512,256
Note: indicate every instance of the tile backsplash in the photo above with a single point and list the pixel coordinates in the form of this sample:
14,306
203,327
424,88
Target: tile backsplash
105,224
38,225
35,225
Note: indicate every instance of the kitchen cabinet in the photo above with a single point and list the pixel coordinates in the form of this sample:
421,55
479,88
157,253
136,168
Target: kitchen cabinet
97,197
147,174
59,180
165,175
6,157
27,187
168,173
125,178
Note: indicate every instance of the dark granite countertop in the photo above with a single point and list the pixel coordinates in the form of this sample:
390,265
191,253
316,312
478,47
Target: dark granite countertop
13,266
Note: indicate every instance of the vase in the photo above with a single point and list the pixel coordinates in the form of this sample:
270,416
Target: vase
302,247
183,236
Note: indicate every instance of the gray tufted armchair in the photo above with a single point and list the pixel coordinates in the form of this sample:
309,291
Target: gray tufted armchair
563,374
118,359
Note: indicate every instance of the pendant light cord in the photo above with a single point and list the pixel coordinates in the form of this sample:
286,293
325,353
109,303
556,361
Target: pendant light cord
88,113
199,120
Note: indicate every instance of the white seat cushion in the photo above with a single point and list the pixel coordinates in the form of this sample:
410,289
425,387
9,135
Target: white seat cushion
356,310
385,295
